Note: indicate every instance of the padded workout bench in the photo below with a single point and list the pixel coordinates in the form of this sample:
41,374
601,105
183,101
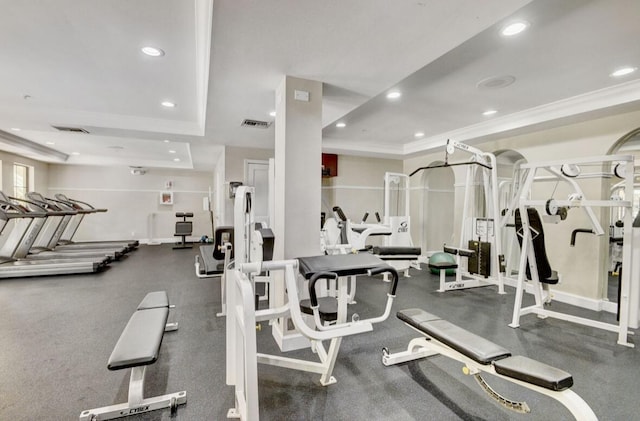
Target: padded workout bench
480,355
138,347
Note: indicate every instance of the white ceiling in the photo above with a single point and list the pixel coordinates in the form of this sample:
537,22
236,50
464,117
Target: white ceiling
78,63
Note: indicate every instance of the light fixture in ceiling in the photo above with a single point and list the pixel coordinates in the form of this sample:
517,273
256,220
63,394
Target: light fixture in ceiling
50,143
514,28
489,112
623,71
418,134
172,151
168,104
272,113
166,141
15,129
152,51
341,125
394,95
496,82
176,159
75,153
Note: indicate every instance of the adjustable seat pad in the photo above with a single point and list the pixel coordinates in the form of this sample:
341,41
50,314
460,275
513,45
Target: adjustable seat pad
397,250
340,264
534,372
154,300
140,341
469,344
442,265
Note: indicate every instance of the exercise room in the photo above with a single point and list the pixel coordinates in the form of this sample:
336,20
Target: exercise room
302,210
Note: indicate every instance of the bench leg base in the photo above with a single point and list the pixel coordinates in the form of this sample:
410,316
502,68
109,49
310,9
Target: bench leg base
126,409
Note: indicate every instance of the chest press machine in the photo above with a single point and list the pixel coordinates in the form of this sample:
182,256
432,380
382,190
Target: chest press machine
534,270
242,354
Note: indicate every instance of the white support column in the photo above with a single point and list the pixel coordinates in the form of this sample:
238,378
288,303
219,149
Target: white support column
298,160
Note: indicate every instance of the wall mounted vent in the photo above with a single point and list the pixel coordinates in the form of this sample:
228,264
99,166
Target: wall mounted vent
256,124
70,129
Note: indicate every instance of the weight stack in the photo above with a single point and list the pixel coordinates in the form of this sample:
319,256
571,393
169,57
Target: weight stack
480,262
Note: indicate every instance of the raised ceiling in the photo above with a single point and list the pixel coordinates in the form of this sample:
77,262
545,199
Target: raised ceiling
78,63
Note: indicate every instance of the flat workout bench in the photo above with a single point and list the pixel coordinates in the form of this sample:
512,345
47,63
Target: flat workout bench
481,355
138,347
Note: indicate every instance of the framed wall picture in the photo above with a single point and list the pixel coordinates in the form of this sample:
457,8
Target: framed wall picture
166,198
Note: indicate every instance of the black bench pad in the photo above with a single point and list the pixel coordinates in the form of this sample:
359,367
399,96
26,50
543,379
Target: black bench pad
154,300
471,345
396,250
442,265
534,372
140,341
327,307
340,264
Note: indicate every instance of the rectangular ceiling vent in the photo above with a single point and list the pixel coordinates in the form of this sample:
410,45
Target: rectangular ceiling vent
70,129
256,124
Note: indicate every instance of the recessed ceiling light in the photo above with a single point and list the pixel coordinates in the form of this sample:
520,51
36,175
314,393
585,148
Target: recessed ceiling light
176,159
168,104
623,71
50,143
489,112
15,129
172,151
166,141
418,134
152,51
514,28
394,95
272,113
341,125
75,153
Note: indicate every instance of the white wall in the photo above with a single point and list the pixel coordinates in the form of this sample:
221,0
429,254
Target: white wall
133,202
358,187
41,172
234,171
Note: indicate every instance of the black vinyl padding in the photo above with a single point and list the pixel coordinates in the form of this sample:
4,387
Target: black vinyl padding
140,341
442,265
340,264
534,372
154,299
327,307
485,352
396,250
469,344
545,273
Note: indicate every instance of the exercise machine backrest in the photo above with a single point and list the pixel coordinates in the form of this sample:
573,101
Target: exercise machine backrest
537,234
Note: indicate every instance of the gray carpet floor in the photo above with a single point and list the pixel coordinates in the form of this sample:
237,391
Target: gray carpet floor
57,333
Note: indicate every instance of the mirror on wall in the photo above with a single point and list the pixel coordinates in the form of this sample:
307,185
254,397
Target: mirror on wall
629,144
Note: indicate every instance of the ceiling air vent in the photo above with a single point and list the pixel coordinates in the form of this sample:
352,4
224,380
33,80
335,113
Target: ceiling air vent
256,124
70,129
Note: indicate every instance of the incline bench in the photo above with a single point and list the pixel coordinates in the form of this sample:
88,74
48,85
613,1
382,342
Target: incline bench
480,355
138,347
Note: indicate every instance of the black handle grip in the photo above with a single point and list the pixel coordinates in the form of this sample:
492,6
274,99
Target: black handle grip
364,218
312,285
394,276
338,211
378,217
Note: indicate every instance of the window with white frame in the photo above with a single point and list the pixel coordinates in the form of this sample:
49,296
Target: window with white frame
22,180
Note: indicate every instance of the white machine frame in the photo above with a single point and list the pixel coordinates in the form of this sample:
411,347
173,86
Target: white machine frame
242,355
486,162
541,291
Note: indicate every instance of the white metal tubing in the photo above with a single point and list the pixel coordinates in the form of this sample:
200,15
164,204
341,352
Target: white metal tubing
583,160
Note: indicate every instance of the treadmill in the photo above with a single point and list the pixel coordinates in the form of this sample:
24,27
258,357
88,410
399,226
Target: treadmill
53,234
83,208
11,267
26,249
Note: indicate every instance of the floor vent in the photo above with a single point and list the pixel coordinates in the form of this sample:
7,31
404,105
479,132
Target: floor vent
256,124
70,129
